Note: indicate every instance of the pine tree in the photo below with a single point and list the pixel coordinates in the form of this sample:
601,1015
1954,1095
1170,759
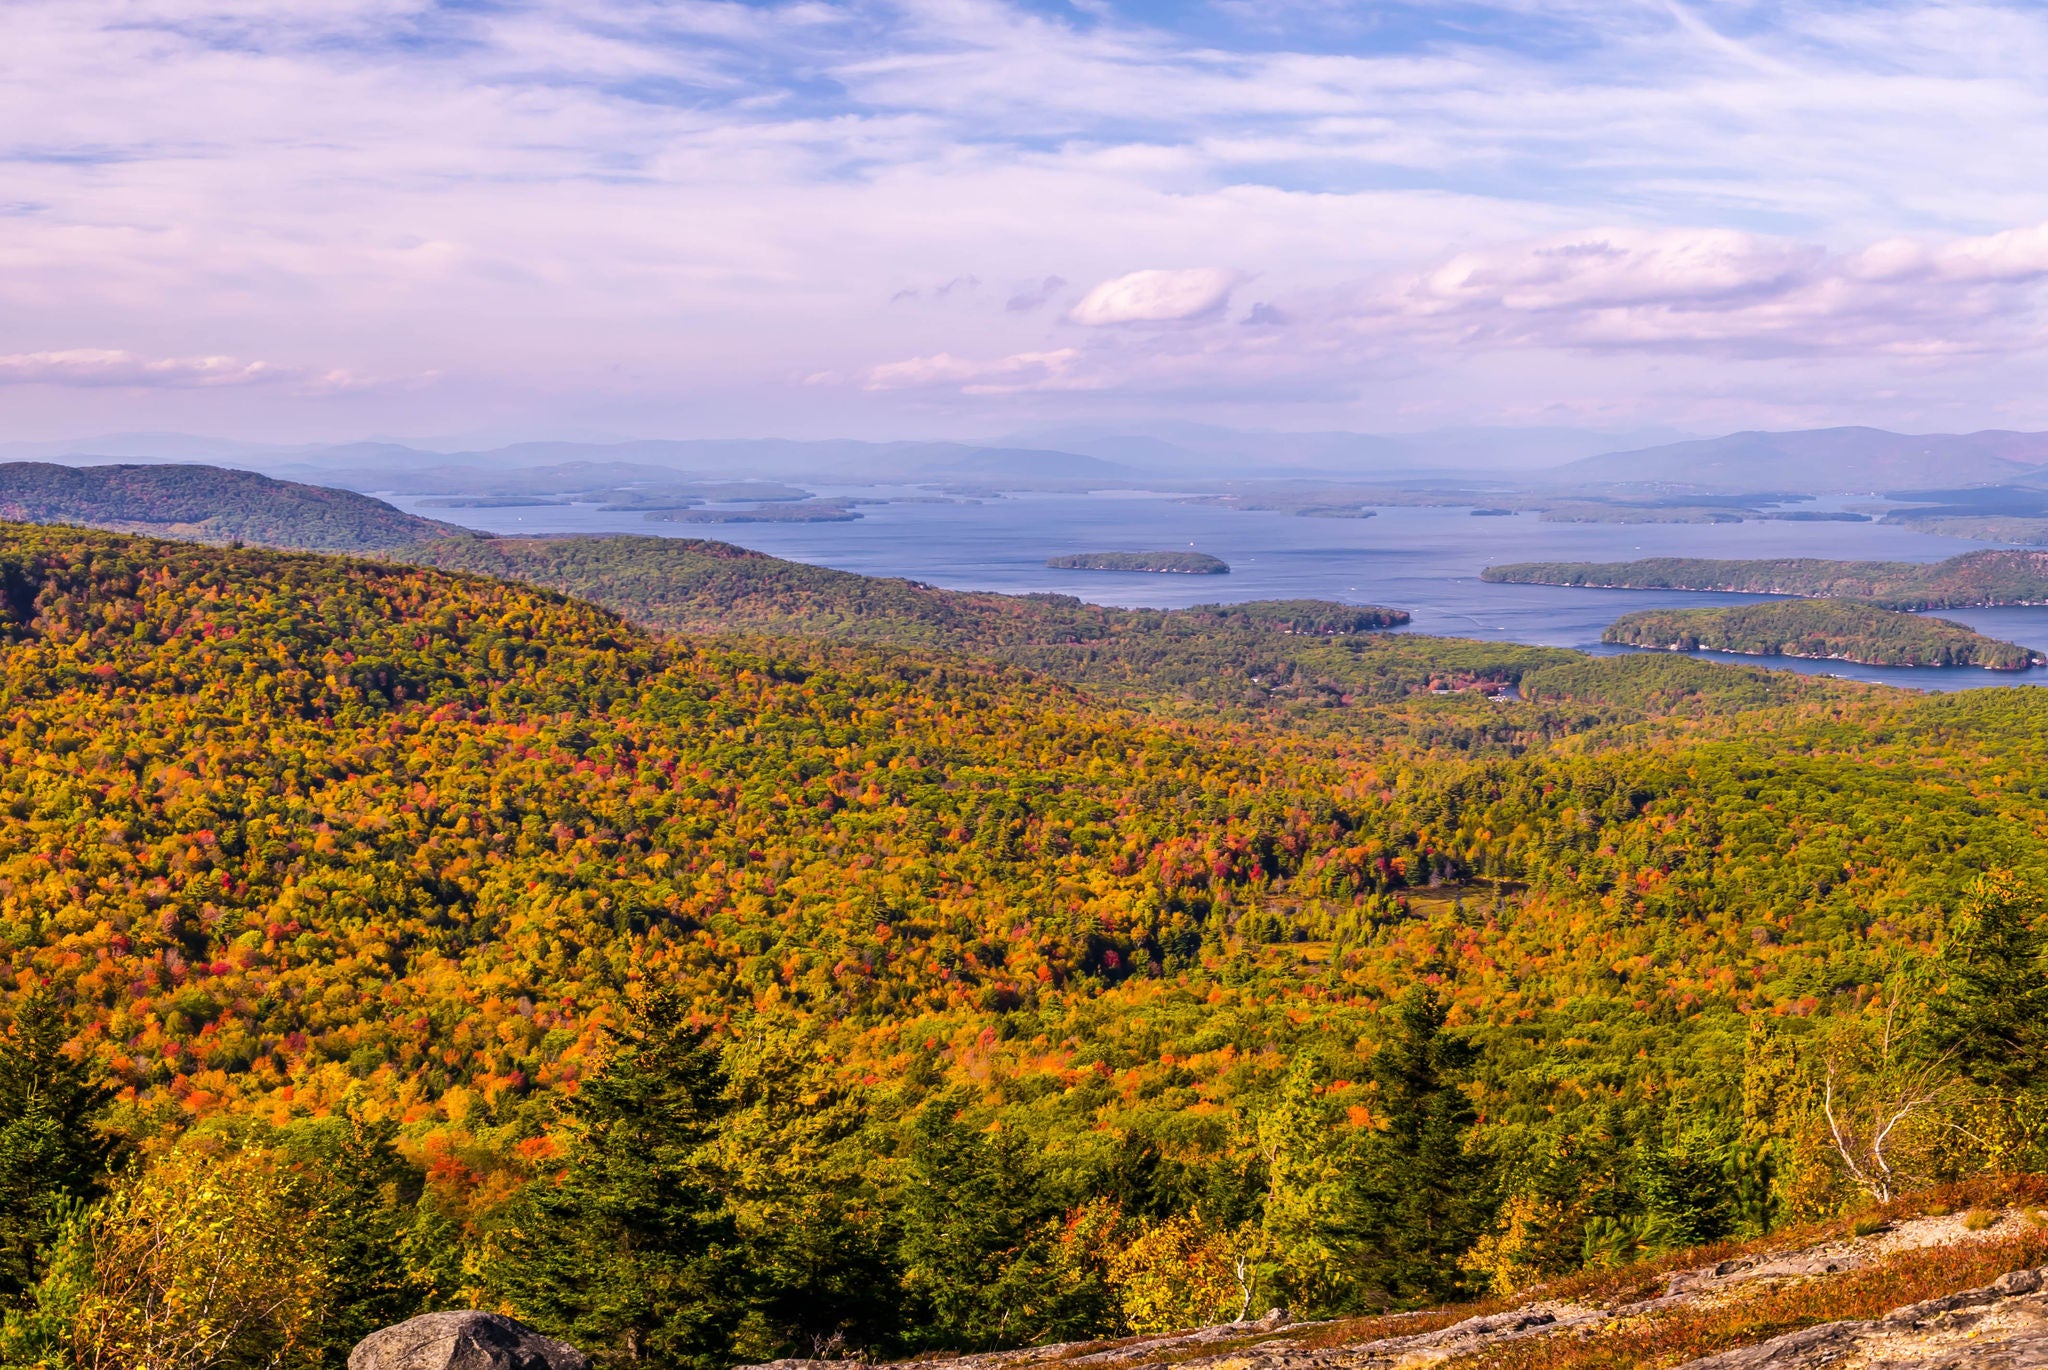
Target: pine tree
52,1150
789,1160
629,1254
368,1223
1993,1021
1427,1195
980,1248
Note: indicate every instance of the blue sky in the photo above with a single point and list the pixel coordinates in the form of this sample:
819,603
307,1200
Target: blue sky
326,218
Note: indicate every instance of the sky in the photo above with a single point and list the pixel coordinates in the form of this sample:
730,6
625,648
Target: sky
305,220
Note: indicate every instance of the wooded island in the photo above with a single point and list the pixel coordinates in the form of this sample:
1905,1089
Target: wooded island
1833,630
1162,563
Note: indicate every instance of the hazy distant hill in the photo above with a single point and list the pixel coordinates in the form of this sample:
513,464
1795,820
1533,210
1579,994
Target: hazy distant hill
1181,447
208,504
1822,460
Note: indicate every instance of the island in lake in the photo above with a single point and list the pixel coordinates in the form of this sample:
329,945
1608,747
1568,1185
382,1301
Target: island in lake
1838,630
1160,563
1974,580
800,511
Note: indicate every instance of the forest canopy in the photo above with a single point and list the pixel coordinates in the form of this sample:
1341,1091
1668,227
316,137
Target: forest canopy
381,938
1306,652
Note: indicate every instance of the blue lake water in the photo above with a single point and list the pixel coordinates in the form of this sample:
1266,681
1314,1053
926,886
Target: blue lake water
1424,560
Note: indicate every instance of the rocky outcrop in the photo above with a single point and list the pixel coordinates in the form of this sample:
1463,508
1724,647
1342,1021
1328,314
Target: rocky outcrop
466,1340
2004,1325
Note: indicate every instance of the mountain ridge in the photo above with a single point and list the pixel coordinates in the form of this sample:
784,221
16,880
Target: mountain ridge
1819,460
210,504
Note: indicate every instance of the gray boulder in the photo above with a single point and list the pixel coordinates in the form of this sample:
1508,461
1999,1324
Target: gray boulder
465,1340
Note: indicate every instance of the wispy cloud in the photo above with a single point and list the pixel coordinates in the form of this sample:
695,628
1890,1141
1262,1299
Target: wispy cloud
1713,290
1036,295
98,367
1015,375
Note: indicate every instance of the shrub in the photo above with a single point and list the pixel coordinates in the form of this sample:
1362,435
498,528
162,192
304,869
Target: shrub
1179,1273
204,1260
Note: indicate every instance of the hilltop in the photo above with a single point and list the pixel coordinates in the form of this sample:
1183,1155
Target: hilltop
1919,1287
209,504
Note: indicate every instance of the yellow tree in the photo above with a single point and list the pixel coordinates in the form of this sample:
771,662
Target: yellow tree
203,1260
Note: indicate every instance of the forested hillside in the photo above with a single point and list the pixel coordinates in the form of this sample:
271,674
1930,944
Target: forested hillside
1307,653
208,504
381,939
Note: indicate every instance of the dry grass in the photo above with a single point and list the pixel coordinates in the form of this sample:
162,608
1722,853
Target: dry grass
1746,1315
1762,1311
1354,1331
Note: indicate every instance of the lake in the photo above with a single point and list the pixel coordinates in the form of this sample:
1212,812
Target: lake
1424,560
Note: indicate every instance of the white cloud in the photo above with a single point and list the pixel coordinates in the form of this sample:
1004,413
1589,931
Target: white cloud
1012,375
1156,297
1715,290
112,369
1754,317
100,367
651,213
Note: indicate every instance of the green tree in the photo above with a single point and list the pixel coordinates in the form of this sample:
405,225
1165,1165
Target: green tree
1310,1237
1992,1023
1686,1184
630,1254
980,1248
53,1152
381,1247
1427,1195
790,1161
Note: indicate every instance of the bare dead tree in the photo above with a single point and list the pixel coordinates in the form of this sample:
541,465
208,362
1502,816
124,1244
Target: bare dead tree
1899,1092
1247,1277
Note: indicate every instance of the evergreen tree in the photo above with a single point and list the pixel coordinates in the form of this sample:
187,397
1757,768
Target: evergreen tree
629,1254
1428,1196
52,1150
980,1251
1993,1020
369,1222
1686,1186
790,1161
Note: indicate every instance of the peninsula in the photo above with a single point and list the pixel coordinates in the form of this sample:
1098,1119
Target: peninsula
1973,580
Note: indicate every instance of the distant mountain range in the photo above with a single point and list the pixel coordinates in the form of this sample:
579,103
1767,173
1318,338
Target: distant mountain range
400,468
1210,449
1813,461
208,504
1820,461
